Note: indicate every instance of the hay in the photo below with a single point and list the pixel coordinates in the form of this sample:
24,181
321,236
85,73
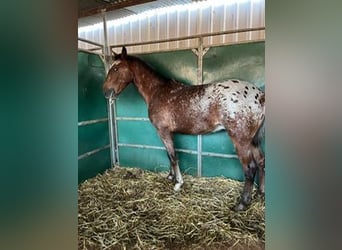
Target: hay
128,208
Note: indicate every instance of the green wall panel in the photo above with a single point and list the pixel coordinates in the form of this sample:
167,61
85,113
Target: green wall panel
138,132
185,141
218,142
214,166
130,103
93,165
91,106
91,74
180,65
92,136
151,159
244,61
187,163
143,132
155,160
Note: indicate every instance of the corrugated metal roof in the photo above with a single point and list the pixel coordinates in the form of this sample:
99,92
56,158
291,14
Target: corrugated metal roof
156,4
171,22
135,9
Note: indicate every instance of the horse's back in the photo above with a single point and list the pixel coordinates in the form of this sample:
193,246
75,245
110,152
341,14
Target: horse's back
204,108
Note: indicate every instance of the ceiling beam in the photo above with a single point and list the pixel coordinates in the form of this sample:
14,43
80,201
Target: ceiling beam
110,6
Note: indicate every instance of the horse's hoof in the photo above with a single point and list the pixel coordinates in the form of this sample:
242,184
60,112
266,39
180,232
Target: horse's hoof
177,187
240,207
170,177
260,195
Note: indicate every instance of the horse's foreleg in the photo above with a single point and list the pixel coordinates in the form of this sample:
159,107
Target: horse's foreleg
249,168
167,139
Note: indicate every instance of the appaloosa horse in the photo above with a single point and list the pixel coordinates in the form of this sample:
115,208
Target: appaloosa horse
173,107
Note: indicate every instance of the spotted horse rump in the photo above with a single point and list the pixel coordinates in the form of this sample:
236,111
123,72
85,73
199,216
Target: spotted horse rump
173,107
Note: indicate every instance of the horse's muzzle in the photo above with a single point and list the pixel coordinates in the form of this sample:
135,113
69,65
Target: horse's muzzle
109,93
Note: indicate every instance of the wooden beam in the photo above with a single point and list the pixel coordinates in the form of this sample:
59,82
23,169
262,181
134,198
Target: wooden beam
111,6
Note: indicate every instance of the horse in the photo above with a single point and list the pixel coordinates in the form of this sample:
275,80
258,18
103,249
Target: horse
174,107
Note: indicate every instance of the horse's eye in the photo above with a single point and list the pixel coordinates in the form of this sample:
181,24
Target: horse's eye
115,69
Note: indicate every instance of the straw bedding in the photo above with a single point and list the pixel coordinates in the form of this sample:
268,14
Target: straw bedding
130,208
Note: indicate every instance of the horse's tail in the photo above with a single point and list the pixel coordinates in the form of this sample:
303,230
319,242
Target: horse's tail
259,135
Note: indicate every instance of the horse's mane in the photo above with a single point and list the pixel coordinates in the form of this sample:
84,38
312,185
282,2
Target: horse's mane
149,68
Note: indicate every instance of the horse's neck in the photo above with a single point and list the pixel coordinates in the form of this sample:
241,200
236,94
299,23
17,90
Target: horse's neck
146,81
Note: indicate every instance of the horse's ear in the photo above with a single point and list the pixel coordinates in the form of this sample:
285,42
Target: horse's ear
114,56
123,53
111,58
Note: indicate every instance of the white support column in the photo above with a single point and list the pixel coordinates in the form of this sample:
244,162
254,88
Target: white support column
200,52
111,101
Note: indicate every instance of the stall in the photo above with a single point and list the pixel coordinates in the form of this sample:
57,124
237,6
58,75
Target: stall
125,201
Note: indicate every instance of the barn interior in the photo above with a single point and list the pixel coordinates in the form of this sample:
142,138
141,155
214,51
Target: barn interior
125,201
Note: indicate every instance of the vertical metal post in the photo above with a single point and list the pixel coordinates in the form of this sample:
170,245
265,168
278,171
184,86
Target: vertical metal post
110,101
200,52
106,48
199,81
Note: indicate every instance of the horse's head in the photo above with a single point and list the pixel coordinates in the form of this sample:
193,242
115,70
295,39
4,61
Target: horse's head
119,75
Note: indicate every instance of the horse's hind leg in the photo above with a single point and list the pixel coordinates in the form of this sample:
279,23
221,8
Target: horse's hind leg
249,168
167,139
260,161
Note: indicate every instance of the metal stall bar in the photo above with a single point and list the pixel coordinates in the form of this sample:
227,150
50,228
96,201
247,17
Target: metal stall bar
189,37
91,42
200,52
188,151
91,50
112,131
83,123
114,156
93,152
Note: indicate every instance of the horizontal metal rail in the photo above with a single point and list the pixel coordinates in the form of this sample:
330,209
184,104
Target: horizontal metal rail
91,42
140,146
172,39
94,49
132,119
84,123
219,155
187,151
87,154
189,37
90,51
